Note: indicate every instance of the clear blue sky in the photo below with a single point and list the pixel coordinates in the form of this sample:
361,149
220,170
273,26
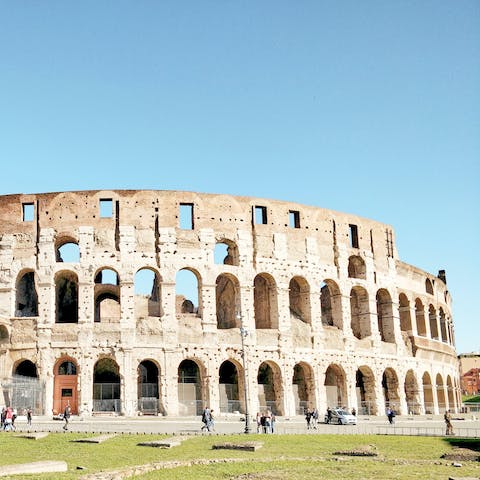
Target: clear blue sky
368,107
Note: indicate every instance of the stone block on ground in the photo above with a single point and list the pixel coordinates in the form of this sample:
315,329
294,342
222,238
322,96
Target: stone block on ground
97,439
49,466
364,451
246,446
166,443
33,435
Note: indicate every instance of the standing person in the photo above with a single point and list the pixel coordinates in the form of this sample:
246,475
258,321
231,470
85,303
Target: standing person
259,422
354,412
29,417
308,418
272,422
8,420
66,416
391,415
448,422
211,423
314,418
329,415
205,418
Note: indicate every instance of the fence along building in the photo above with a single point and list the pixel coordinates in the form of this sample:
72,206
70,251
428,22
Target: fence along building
330,315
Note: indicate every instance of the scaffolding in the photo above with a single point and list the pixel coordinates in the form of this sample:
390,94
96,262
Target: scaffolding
22,393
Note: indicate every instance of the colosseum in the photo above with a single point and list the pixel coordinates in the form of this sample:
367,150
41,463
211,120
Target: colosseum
162,302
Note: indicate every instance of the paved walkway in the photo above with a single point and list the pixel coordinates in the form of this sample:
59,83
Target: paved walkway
417,425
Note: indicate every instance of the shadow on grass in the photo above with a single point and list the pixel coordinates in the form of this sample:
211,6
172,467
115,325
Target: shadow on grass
470,443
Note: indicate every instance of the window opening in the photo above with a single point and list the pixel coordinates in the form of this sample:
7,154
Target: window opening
353,236
106,208
294,218
186,216
260,215
68,252
28,211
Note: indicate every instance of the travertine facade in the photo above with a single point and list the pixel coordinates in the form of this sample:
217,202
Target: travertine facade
330,315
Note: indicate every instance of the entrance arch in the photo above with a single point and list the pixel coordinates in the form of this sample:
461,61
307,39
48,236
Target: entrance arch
335,386
411,393
270,392
228,388
303,388
106,386
147,388
190,396
365,388
65,386
390,389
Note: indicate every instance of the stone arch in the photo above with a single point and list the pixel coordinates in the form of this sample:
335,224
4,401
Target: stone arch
303,388
67,249
226,252
148,297
331,304
428,402
228,383
107,296
188,283
335,386
65,385
26,299
420,318
66,294
270,391
428,286
390,389
412,393
4,335
365,389
25,390
357,267
190,388
443,325
442,404
299,299
450,393
265,301
385,316
360,312
227,298
25,368
432,318
148,396
404,313
106,386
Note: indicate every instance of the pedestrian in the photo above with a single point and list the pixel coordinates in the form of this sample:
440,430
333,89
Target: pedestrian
259,422
308,418
205,419
329,415
272,422
66,416
29,417
354,412
8,422
268,422
211,423
448,422
391,415
314,418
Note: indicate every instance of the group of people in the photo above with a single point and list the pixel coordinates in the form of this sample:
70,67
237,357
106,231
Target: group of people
311,416
265,422
207,420
9,416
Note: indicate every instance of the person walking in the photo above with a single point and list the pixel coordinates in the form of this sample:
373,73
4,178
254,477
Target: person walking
66,416
448,423
29,417
206,419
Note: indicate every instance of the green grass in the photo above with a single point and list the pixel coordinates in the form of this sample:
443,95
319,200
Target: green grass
471,399
283,457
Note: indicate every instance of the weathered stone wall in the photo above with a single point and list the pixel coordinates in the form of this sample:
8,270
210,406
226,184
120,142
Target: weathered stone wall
319,292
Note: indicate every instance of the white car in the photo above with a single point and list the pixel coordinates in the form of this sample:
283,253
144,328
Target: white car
341,417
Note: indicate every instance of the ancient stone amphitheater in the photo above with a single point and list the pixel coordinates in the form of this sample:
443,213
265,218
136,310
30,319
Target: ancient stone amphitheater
161,302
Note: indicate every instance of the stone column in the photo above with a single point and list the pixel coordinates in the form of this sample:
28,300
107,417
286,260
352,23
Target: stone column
128,385
209,314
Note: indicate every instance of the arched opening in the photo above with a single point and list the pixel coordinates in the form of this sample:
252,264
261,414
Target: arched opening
189,388
26,296
299,297
420,318
330,304
106,386
147,294
265,302
227,301
385,316
303,388
66,293
390,390
226,253
432,317
404,313
428,286
412,394
65,386
335,386
25,389
67,252
4,335
107,296
427,394
365,388
270,388
228,388
187,287
360,313
443,326
147,388
442,405
356,267
451,394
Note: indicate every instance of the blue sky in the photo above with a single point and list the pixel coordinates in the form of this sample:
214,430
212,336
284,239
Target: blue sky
369,107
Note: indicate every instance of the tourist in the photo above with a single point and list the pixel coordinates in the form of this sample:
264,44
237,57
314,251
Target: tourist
206,418
66,416
259,422
308,418
29,417
448,422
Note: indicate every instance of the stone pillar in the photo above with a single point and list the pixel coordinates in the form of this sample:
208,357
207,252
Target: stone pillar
85,384
284,320
316,318
169,390
209,314
320,392
128,386
351,379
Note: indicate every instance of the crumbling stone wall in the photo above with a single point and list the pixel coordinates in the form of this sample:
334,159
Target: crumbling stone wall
320,295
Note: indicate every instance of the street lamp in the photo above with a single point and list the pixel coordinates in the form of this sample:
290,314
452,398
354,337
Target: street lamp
243,335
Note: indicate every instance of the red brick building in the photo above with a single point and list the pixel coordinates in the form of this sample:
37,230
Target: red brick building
470,382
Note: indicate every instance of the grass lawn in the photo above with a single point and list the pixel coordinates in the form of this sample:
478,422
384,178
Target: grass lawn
282,457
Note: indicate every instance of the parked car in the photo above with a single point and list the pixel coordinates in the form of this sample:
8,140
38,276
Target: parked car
341,417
